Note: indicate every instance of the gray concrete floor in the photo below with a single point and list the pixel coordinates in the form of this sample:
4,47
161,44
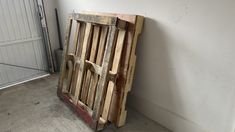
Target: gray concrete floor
35,107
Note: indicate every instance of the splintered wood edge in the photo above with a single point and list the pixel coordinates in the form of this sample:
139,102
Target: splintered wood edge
123,112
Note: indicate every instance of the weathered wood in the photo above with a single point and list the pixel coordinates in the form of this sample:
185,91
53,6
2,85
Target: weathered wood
122,109
104,72
76,37
116,103
78,53
99,58
70,72
75,45
63,65
92,58
99,69
98,19
78,110
93,67
84,106
115,67
82,63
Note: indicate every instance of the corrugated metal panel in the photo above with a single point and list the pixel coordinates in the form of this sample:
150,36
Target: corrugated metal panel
22,49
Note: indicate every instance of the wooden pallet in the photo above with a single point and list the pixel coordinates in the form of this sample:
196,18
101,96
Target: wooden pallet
98,66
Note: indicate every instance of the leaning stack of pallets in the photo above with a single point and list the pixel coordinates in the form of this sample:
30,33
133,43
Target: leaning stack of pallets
98,66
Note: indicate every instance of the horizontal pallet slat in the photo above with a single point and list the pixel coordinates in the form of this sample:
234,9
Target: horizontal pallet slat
114,69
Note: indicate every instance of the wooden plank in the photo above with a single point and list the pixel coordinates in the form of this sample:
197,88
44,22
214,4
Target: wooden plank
95,79
85,46
70,73
113,115
115,67
125,17
81,39
92,58
105,70
78,53
74,52
99,58
65,52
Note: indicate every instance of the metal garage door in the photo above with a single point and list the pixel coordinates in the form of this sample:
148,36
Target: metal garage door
22,50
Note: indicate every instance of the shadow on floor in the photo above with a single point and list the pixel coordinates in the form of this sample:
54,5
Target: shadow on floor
35,107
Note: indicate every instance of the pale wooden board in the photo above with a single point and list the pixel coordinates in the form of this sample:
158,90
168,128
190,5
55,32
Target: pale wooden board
100,78
87,36
99,58
104,72
92,58
131,68
78,53
63,66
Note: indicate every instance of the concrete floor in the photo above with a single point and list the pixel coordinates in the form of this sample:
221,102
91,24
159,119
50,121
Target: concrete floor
35,107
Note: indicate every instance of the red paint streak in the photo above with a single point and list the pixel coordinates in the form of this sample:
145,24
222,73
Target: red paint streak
78,110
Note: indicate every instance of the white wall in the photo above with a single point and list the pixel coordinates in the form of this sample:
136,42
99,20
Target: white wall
185,71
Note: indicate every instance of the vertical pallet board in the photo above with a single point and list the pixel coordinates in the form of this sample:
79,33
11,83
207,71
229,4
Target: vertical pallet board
127,68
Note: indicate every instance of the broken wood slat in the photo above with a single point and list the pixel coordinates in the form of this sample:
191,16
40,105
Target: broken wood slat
99,58
92,58
82,63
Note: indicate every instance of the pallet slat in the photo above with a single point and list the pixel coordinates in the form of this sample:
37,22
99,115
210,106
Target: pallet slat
115,67
104,72
99,58
82,63
91,59
63,66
